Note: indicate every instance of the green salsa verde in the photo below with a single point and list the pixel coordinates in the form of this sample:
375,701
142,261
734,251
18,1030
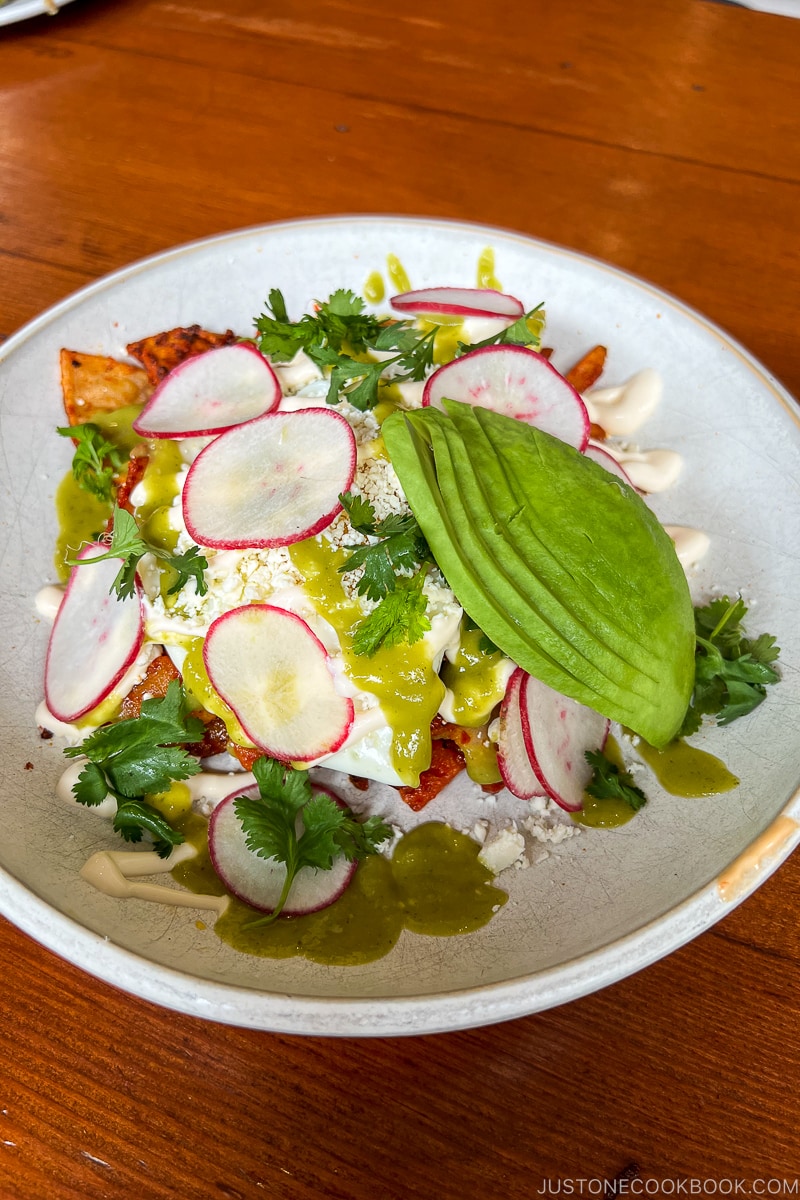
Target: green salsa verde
401,677
434,884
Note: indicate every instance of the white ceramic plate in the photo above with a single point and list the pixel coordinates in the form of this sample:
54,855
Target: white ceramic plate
20,10
610,902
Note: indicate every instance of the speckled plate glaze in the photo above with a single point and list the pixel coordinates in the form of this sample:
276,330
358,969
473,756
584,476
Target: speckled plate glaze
606,903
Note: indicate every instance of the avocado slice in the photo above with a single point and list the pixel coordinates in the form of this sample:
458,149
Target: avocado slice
583,656
413,460
505,511
569,574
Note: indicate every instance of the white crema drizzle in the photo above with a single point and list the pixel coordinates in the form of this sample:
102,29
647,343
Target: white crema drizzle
621,411
117,873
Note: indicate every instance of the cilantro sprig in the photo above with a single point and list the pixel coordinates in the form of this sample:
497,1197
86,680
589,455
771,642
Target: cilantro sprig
400,617
400,546
339,322
732,671
96,460
339,337
126,542
608,782
392,575
270,824
136,757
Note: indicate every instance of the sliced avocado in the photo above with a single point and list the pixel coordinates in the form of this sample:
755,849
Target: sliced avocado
412,455
526,602
584,660
511,512
501,513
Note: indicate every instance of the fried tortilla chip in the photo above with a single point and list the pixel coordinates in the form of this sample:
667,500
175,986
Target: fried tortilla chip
94,384
159,675
588,370
163,351
447,761
134,473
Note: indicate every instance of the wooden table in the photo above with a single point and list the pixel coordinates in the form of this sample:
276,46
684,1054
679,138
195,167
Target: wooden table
664,138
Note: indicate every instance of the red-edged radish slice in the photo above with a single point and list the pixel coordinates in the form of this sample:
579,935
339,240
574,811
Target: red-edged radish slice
94,640
273,671
459,302
557,733
516,382
604,459
259,881
271,482
209,393
512,755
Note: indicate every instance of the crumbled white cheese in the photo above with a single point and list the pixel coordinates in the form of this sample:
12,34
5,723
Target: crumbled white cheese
503,850
547,822
234,578
376,480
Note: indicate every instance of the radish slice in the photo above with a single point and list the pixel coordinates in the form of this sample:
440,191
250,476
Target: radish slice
94,640
459,302
209,393
274,672
271,482
512,755
601,456
259,881
557,732
516,382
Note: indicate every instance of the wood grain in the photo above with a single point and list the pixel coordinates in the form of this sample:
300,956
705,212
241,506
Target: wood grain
663,138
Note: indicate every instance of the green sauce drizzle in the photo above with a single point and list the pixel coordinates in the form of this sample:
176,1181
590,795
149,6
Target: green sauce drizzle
160,487
397,274
81,518
434,885
475,678
374,289
486,275
683,770
117,426
606,812
408,689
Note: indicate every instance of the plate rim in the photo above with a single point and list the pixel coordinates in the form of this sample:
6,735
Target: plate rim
373,1015
20,10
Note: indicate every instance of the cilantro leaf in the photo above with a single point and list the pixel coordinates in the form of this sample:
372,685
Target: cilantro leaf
95,461
338,322
401,546
91,786
763,649
191,564
126,542
610,783
416,349
143,755
135,817
400,617
357,381
339,337
359,510
271,817
286,800
732,672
